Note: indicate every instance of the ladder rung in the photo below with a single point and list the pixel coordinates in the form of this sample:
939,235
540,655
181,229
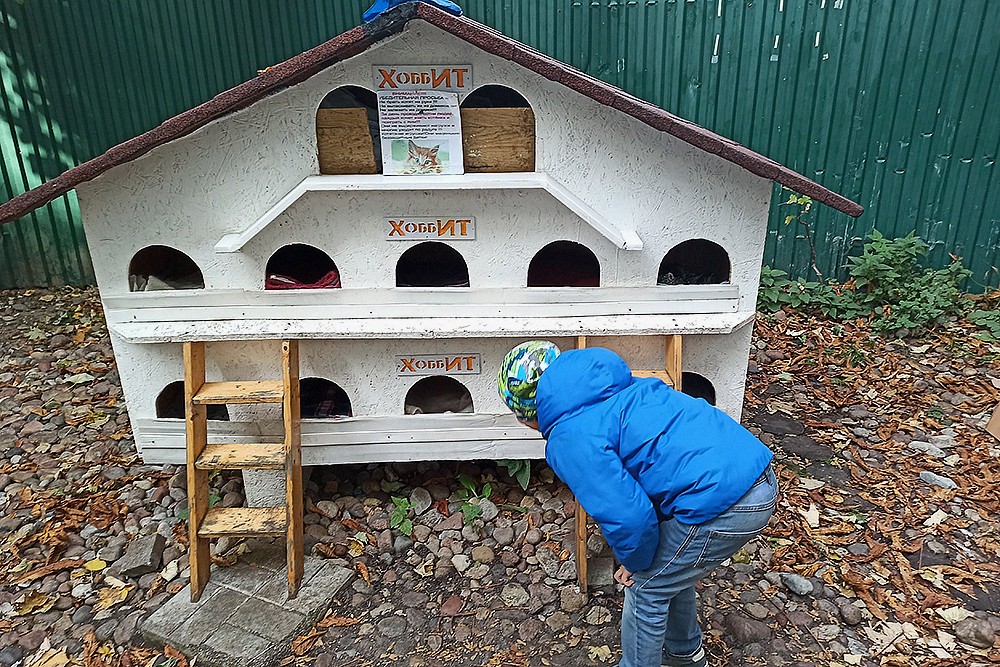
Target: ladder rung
243,455
243,521
253,391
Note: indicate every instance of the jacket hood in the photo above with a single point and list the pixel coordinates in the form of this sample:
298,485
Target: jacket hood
577,379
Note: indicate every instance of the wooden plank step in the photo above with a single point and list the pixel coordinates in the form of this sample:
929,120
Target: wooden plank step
243,521
251,391
269,456
662,375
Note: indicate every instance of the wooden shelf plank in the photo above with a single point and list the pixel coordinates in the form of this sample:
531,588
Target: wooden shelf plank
256,391
234,456
243,521
662,375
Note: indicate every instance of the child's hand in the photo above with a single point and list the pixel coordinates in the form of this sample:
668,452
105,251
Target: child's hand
623,576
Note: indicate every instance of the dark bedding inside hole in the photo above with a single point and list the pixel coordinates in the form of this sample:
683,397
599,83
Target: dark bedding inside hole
299,266
437,394
694,262
321,398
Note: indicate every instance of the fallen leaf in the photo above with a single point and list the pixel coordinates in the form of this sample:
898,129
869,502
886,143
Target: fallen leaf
80,378
51,658
354,547
954,614
95,565
305,643
811,515
109,597
602,653
46,570
170,652
363,569
936,518
337,622
34,602
811,484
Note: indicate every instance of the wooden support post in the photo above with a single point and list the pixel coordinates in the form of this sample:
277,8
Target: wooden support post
581,520
197,480
673,364
293,464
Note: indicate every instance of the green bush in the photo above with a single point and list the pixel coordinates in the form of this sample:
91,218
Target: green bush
888,285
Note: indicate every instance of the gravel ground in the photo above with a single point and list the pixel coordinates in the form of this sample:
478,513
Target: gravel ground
868,561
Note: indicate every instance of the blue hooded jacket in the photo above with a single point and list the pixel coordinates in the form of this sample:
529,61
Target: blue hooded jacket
634,451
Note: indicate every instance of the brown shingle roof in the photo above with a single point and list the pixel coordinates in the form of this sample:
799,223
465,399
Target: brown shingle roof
356,40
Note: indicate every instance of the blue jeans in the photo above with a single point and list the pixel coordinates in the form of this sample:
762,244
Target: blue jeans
659,613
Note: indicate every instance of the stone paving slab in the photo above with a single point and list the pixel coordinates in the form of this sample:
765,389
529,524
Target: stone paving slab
244,618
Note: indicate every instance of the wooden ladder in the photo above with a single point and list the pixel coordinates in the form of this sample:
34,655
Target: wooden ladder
671,374
202,458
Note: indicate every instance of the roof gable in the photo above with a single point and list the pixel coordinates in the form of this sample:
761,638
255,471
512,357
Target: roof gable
359,39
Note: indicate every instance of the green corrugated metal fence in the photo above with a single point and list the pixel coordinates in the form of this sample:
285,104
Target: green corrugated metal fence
893,103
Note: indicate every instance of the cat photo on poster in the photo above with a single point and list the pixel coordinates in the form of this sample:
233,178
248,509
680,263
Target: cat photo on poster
421,132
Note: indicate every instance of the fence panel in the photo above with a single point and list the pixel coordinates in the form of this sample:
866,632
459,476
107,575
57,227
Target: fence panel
895,104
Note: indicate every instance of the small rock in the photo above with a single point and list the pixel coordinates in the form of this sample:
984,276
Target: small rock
778,423
746,630
421,533
597,616
504,536
558,621
571,599
796,583
928,448
392,626
421,499
461,562
937,480
514,595
975,632
483,554
10,655
142,556
529,629
850,613
490,510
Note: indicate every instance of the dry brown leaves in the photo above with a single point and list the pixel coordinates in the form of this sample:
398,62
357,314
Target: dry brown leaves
902,385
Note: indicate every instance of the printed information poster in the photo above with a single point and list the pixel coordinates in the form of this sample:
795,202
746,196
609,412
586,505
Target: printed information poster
421,132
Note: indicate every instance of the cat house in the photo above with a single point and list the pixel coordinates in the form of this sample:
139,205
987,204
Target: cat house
557,207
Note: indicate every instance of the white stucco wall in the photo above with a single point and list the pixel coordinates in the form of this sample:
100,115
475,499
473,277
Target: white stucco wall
191,192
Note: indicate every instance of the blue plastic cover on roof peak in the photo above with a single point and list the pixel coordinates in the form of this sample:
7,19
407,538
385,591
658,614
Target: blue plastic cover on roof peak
385,5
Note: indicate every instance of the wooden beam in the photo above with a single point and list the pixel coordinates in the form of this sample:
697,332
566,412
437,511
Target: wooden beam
196,417
581,520
673,363
293,464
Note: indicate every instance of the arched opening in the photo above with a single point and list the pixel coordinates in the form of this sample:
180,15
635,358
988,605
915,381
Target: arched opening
498,131
347,134
437,394
320,398
564,264
170,404
698,386
694,262
300,266
432,264
160,267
